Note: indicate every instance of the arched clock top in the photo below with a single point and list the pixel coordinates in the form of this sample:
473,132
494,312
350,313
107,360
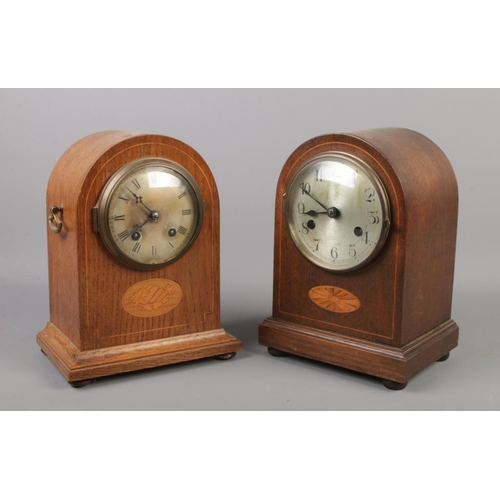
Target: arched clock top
349,290
134,257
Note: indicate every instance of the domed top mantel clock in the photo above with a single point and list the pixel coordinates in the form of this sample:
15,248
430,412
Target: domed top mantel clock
133,246
365,236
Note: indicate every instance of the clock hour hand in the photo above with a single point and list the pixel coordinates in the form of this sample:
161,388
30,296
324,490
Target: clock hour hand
138,227
136,234
313,213
332,212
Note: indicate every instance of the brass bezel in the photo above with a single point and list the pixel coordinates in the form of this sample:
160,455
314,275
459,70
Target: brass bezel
102,209
384,200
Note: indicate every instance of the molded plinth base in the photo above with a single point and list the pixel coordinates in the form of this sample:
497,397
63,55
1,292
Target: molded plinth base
396,364
78,365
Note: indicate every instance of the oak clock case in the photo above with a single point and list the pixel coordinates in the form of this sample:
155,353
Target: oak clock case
133,248
365,236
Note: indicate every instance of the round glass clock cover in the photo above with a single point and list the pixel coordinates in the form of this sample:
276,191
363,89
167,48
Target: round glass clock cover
149,213
337,212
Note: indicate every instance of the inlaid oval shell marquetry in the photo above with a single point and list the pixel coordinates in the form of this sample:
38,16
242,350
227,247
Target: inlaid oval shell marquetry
335,299
152,297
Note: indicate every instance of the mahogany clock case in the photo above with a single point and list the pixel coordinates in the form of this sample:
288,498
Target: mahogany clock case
96,328
404,320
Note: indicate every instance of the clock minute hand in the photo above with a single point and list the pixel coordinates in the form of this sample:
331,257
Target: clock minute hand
138,199
332,212
305,191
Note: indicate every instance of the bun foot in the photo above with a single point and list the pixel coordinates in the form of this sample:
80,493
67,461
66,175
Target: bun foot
229,355
276,353
394,386
444,358
81,383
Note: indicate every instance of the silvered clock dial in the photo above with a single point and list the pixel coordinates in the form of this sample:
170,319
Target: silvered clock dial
337,212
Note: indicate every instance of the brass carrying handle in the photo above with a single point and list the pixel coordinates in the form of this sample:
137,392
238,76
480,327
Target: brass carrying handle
55,223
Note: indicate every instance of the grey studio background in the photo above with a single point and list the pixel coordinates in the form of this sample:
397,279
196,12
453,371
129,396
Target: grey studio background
246,136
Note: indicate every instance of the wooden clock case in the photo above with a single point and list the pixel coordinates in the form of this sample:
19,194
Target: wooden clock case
404,322
93,331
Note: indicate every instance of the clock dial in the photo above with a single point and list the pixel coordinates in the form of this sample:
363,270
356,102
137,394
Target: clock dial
150,213
337,212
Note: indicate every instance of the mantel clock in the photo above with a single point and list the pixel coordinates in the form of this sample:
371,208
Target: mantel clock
133,247
365,235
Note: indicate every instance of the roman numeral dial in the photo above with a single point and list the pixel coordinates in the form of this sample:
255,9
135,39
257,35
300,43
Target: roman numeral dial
150,213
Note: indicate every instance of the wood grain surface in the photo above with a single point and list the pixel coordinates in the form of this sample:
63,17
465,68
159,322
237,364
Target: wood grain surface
406,292
334,299
153,297
87,285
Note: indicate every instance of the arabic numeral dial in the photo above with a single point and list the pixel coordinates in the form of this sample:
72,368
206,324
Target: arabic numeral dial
336,210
